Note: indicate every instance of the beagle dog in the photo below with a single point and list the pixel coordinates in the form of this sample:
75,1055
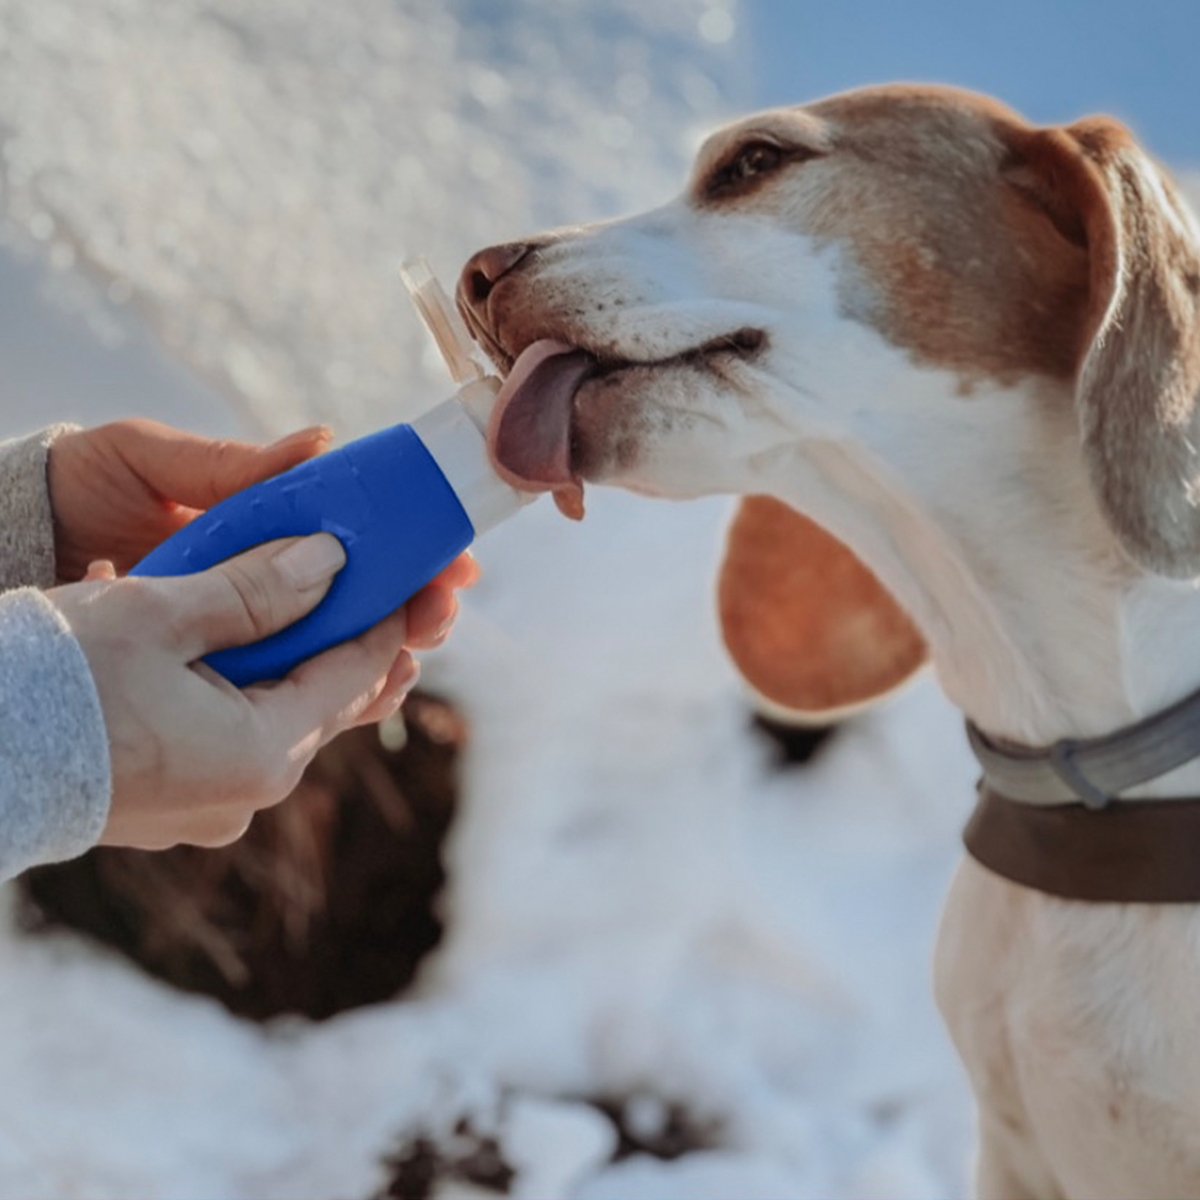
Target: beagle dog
951,361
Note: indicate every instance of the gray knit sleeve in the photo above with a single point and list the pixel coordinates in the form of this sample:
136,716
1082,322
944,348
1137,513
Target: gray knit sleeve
26,524
55,773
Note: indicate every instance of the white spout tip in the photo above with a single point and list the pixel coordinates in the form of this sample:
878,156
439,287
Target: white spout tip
442,320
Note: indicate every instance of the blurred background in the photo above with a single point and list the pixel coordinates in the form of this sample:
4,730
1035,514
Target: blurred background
674,963
1052,62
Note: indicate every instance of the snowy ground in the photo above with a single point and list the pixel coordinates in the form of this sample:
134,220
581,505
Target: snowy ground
640,905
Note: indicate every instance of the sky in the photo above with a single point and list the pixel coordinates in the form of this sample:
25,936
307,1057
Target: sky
1051,60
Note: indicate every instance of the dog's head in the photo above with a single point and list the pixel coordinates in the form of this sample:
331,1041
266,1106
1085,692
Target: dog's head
822,263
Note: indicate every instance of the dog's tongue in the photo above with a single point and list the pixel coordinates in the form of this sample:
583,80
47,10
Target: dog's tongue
529,437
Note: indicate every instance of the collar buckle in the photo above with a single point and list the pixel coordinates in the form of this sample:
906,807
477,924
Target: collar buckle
1063,761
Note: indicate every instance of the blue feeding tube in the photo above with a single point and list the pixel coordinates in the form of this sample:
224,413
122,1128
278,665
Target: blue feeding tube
404,503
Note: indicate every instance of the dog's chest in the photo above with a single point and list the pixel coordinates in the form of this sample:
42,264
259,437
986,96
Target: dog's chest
1079,1025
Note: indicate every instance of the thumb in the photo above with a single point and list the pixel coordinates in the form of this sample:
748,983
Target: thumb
247,597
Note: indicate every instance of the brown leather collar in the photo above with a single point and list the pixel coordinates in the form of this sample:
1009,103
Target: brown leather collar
1130,851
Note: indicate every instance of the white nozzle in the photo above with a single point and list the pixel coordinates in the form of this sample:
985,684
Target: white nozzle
457,441
442,320
455,431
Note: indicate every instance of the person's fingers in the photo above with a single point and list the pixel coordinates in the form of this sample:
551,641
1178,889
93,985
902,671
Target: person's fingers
247,597
434,609
401,680
101,569
431,613
222,831
209,829
327,694
197,472
463,572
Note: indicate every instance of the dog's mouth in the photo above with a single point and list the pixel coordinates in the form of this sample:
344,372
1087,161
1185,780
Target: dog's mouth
531,437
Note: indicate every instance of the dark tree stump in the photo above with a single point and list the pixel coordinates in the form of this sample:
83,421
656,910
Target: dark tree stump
327,903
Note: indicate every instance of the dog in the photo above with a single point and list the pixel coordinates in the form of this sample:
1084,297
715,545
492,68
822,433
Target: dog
950,360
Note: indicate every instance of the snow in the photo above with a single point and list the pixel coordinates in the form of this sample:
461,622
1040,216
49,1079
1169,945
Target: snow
641,905
555,1145
251,176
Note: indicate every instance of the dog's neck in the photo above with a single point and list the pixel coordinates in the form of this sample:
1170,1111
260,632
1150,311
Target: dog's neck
1038,627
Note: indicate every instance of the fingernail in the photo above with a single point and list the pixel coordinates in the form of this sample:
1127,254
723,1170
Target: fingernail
102,568
410,677
311,561
398,689
443,630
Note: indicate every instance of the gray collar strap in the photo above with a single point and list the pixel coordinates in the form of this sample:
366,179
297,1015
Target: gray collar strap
1093,771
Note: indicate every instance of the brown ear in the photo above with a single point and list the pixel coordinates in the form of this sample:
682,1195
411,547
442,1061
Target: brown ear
811,629
1139,372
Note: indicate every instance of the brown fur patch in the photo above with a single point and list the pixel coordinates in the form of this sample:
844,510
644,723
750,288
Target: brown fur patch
969,273
808,625
967,266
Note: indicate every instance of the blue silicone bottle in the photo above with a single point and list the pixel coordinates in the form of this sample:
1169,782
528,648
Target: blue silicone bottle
404,502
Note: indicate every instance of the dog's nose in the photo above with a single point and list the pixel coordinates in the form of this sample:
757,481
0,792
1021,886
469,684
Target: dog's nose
485,269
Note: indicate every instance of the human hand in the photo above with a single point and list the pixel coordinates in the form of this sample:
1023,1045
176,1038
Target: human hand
118,490
193,757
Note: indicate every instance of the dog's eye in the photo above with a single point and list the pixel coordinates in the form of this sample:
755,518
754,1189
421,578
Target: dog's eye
752,160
